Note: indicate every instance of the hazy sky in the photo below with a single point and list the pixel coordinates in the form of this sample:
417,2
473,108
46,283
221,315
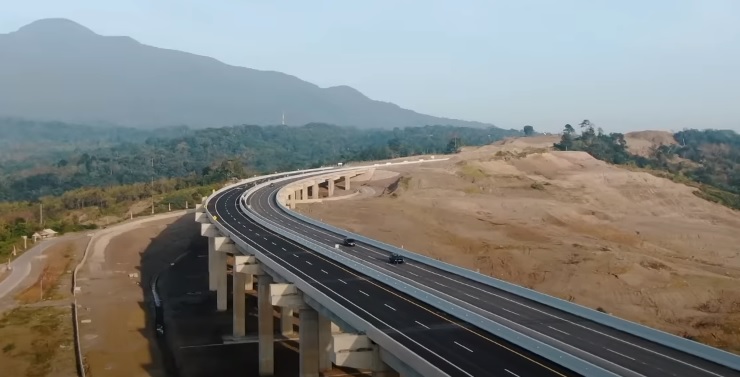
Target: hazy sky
623,64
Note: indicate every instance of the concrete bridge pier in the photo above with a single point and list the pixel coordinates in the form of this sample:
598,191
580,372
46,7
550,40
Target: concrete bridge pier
308,338
330,184
265,324
315,190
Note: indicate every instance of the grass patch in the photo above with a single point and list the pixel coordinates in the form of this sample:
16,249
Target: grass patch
57,263
472,173
38,341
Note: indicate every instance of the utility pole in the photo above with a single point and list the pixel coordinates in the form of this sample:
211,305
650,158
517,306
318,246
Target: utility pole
169,207
41,214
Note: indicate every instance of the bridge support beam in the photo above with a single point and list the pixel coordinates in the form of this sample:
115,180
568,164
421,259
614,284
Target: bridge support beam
222,246
248,282
221,281
211,264
286,321
346,183
330,186
239,325
265,324
315,190
325,341
308,338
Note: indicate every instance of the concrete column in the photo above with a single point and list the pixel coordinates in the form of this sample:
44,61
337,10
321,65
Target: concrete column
330,184
286,321
304,193
346,182
211,264
239,306
266,332
298,195
324,327
308,338
221,280
315,190
248,282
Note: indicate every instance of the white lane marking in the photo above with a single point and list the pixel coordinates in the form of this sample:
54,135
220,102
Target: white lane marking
558,330
512,312
466,348
325,272
265,238
390,307
570,322
350,302
295,255
511,373
422,325
344,268
436,282
239,222
620,354
309,263
469,295
411,273
365,294
283,249
273,243
343,282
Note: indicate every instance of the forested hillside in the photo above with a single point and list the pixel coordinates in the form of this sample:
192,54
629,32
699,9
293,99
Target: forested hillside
708,159
62,157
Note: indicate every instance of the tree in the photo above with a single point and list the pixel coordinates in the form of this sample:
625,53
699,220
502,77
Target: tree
453,146
528,130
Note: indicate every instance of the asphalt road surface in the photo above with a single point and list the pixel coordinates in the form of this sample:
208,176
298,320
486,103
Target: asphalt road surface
622,353
21,266
453,346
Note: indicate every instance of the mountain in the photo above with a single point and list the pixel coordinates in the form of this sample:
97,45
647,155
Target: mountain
56,69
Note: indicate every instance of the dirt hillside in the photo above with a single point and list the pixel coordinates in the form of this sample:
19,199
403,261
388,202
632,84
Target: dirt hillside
640,247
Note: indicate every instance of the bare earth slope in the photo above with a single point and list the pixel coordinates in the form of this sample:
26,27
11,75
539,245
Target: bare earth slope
640,247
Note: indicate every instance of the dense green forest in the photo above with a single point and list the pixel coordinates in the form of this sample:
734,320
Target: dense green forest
126,156
86,208
709,158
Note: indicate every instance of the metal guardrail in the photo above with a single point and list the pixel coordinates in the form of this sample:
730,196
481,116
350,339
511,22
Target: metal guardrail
546,351
378,336
657,336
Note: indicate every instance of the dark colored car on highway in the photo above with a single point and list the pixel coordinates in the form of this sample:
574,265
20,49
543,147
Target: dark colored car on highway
349,242
395,259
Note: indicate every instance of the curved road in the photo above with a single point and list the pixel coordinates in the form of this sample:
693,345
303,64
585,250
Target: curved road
622,353
454,347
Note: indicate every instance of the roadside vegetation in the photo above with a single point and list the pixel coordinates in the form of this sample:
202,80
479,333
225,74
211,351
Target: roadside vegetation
706,159
37,342
84,177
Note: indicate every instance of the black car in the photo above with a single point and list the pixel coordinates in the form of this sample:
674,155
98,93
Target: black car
395,259
349,242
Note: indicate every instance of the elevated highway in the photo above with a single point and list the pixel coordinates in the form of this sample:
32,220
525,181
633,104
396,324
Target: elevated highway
614,350
392,329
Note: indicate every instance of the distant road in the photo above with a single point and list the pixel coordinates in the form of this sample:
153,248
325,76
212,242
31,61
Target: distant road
21,266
